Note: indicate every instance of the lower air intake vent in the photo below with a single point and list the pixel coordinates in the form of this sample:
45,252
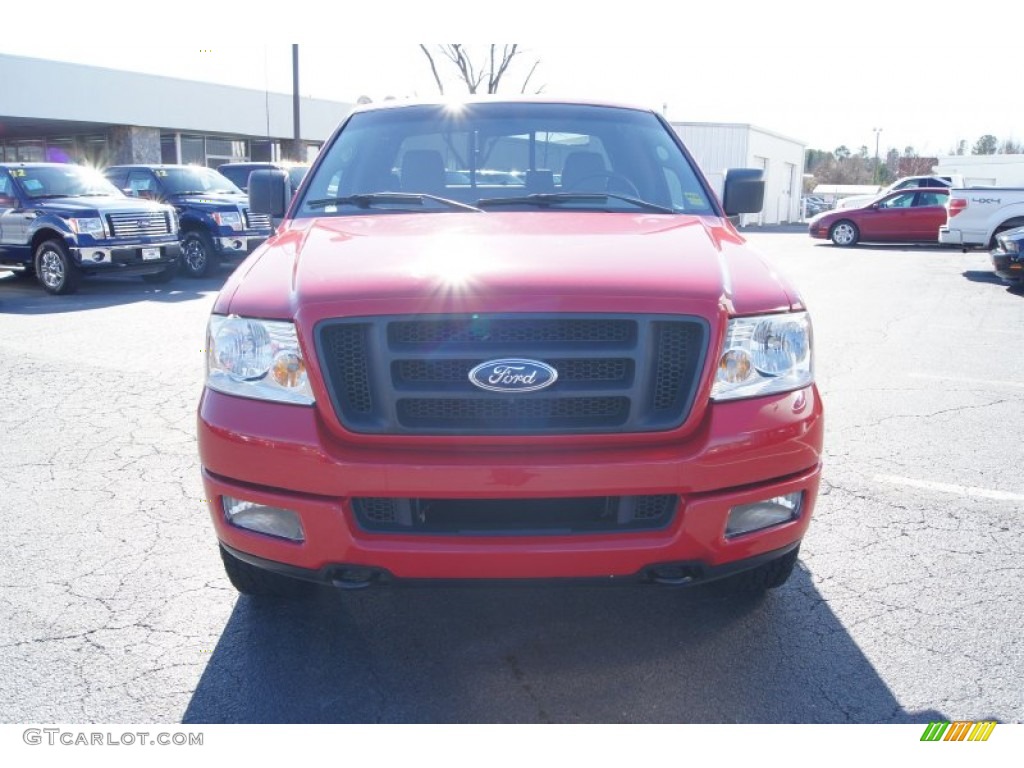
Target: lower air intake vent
496,517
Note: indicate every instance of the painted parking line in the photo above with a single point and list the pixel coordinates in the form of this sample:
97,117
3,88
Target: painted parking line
959,490
965,380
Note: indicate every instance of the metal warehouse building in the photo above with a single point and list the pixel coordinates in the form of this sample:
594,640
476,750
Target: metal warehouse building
54,111
720,146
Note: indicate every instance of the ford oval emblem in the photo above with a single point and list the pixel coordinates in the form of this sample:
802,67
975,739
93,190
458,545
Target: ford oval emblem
513,375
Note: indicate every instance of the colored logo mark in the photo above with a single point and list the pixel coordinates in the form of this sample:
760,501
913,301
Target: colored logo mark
961,730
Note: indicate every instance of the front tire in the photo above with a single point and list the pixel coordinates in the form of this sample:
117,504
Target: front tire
197,254
844,233
256,582
55,269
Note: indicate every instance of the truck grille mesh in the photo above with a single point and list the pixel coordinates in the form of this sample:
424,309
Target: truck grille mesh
619,373
501,517
256,220
139,224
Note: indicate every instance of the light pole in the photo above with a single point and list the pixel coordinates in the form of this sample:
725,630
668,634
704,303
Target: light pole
878,133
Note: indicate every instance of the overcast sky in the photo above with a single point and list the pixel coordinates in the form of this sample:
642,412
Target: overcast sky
826,76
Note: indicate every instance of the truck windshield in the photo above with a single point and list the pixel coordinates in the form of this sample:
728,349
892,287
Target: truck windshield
194,179
504,156
44,181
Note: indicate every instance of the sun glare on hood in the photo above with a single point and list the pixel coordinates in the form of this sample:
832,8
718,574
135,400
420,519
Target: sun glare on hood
452,262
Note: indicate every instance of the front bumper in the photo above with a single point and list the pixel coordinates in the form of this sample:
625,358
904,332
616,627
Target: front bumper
1009,266
238,246
284,456
135,259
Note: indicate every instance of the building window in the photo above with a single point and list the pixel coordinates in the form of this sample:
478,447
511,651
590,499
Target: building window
168,149
193,150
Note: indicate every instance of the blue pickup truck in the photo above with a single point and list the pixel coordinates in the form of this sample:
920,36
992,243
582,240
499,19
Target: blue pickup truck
63,222
216,225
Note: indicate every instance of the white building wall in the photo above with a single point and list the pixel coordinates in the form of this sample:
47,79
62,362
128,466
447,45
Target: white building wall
984,170
718,147
783,174
62,91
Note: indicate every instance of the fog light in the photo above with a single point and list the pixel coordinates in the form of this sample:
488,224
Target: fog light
237,245
273,521
98,256
763,514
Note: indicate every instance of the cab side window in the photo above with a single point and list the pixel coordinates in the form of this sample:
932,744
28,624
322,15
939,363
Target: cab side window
7,196
905,200
142,184
929,199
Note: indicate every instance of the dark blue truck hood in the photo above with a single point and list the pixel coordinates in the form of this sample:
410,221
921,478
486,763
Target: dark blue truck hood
213,202
84,205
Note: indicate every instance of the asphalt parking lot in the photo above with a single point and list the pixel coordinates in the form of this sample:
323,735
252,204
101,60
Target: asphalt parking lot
906,606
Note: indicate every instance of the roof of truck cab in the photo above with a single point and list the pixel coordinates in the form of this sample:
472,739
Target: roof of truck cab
441,101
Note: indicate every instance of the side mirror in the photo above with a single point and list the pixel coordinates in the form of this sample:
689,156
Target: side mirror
269,192
744,191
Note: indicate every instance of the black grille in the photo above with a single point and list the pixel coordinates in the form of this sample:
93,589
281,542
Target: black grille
345,353
476,331
677,355
415,372
256,220
495,517
616,373
139,224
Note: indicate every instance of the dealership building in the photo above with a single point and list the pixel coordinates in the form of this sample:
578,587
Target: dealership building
61,112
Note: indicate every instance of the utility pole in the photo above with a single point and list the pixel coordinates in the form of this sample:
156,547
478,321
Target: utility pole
297,154
878,175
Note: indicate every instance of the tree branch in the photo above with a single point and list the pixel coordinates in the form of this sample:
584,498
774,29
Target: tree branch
433,68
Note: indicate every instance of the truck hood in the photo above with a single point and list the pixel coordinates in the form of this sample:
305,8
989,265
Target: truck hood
534,261
84,205
211,202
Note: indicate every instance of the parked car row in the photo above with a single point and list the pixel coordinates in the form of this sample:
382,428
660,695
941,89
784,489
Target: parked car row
63,222
933,213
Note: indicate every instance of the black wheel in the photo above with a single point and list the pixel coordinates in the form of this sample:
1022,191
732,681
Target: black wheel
55,270
197,254
250,580
768,576
610,177
844,233
163,276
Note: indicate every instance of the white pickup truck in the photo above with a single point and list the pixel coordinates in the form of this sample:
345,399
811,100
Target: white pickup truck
975,215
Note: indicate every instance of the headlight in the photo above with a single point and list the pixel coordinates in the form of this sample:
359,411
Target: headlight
92,226
764,355
233,220
256,358
1008,246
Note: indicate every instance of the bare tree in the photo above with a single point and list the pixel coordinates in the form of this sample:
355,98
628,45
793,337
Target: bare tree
481,71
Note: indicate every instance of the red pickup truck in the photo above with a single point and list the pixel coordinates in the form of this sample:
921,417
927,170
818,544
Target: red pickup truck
503,340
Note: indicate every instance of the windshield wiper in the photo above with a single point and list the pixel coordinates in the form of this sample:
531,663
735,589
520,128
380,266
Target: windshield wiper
370,199
554,198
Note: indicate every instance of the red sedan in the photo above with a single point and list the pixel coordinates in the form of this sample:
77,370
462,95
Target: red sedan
909,215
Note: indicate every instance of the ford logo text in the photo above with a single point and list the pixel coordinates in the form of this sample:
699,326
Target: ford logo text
513,375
